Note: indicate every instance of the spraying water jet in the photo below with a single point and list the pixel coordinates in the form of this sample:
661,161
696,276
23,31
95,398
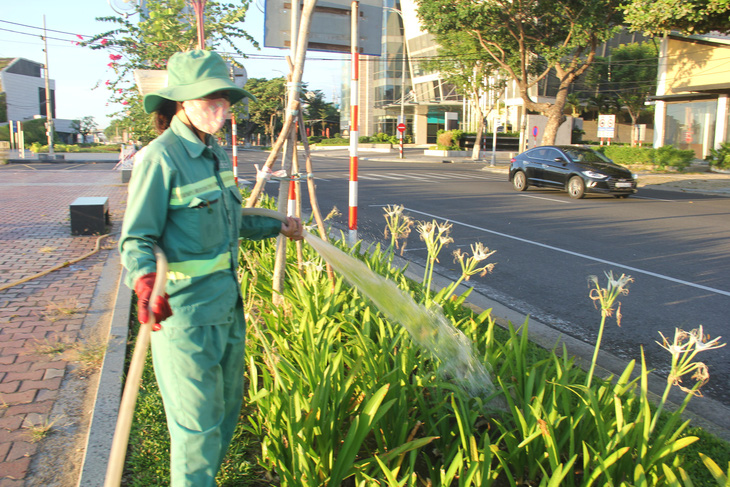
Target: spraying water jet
428,328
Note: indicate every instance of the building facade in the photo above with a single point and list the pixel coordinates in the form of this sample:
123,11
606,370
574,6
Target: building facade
691,110
23,85
395,84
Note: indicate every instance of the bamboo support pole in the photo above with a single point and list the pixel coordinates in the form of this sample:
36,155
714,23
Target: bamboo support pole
293,103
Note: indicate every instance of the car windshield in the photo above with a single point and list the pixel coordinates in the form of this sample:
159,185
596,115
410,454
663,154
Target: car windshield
586,155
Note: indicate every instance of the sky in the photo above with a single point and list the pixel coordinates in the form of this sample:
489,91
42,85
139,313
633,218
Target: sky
80,72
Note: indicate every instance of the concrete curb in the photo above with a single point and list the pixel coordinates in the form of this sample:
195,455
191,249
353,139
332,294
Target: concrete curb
109,393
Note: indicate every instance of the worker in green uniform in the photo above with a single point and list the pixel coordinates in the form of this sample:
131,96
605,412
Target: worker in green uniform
183,198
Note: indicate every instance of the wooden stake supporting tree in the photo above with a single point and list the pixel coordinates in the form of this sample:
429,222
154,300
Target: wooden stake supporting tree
288,136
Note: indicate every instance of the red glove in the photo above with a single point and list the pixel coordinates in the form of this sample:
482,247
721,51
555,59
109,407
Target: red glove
161,306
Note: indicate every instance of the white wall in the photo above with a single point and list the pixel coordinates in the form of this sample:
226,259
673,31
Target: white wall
22,95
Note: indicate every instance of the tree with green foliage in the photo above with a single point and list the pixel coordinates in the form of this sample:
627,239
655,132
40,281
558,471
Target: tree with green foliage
34,131
687,16
530,40
463,63
318,110
3,107
575,104
628,74
164,28
84,126
270,95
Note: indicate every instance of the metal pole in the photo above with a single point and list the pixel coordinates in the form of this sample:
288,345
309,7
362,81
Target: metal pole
234,141
13,142
199,7
494,144
49,115
21,140
403,84
354,132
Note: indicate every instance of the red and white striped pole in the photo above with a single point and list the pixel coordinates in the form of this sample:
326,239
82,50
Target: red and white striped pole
234,141
354,132
291,207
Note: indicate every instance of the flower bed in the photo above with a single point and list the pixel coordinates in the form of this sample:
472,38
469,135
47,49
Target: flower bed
339,395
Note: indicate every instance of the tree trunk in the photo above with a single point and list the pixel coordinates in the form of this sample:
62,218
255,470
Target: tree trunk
480,132
555,114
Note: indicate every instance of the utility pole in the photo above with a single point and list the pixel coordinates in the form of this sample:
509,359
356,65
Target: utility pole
49,114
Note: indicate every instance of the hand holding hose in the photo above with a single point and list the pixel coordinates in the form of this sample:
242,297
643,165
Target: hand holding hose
292,228
160,306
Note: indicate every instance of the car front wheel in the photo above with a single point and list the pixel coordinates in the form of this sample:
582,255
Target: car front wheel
519,181
576,187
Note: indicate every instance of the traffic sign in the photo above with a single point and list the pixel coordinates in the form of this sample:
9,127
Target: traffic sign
401,127
534,131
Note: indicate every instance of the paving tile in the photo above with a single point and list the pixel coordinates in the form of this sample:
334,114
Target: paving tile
14,470
21,449
4,449
34,238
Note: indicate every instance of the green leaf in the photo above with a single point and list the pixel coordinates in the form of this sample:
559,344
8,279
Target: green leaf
359,429
716,471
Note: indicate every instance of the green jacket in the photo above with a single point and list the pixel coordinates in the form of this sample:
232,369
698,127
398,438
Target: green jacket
182,196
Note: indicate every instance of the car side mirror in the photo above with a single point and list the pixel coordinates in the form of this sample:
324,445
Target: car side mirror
561,160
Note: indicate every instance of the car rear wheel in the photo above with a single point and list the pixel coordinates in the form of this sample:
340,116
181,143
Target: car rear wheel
519,181
576,187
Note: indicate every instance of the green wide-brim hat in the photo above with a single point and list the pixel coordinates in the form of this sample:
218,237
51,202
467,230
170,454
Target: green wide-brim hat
192,75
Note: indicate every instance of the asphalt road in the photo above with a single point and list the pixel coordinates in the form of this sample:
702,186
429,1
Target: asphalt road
675,245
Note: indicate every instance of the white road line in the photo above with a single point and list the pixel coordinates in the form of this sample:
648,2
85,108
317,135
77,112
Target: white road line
654,199
473,176
543,198
410,176
377,175
576,254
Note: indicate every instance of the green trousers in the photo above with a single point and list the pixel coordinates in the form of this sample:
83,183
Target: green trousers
199,370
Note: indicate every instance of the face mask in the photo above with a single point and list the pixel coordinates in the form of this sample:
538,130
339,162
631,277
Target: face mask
208,116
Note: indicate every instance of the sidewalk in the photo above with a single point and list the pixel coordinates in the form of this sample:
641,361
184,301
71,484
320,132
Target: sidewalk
49,338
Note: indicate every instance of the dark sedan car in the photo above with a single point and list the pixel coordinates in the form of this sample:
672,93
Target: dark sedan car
577,170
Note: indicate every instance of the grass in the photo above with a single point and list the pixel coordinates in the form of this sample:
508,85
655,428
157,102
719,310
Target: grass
90,355
41,430
48,347
65,309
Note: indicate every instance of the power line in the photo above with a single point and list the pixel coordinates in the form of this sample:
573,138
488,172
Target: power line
41,28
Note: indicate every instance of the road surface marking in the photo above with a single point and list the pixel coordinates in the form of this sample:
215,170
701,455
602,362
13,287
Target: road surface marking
543,198
576,254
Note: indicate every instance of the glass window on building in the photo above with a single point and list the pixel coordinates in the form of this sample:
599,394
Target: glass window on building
691,126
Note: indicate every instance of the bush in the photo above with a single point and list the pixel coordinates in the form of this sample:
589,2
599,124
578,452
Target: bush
449,140
381,138
365,139
336,141
720,158
314,139
621,154
668,155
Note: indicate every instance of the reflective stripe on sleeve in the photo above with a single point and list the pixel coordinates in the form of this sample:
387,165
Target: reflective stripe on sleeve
183,195
228,179
198,268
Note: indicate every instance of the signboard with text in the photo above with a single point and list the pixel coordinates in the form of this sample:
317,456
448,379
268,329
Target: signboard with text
606,126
